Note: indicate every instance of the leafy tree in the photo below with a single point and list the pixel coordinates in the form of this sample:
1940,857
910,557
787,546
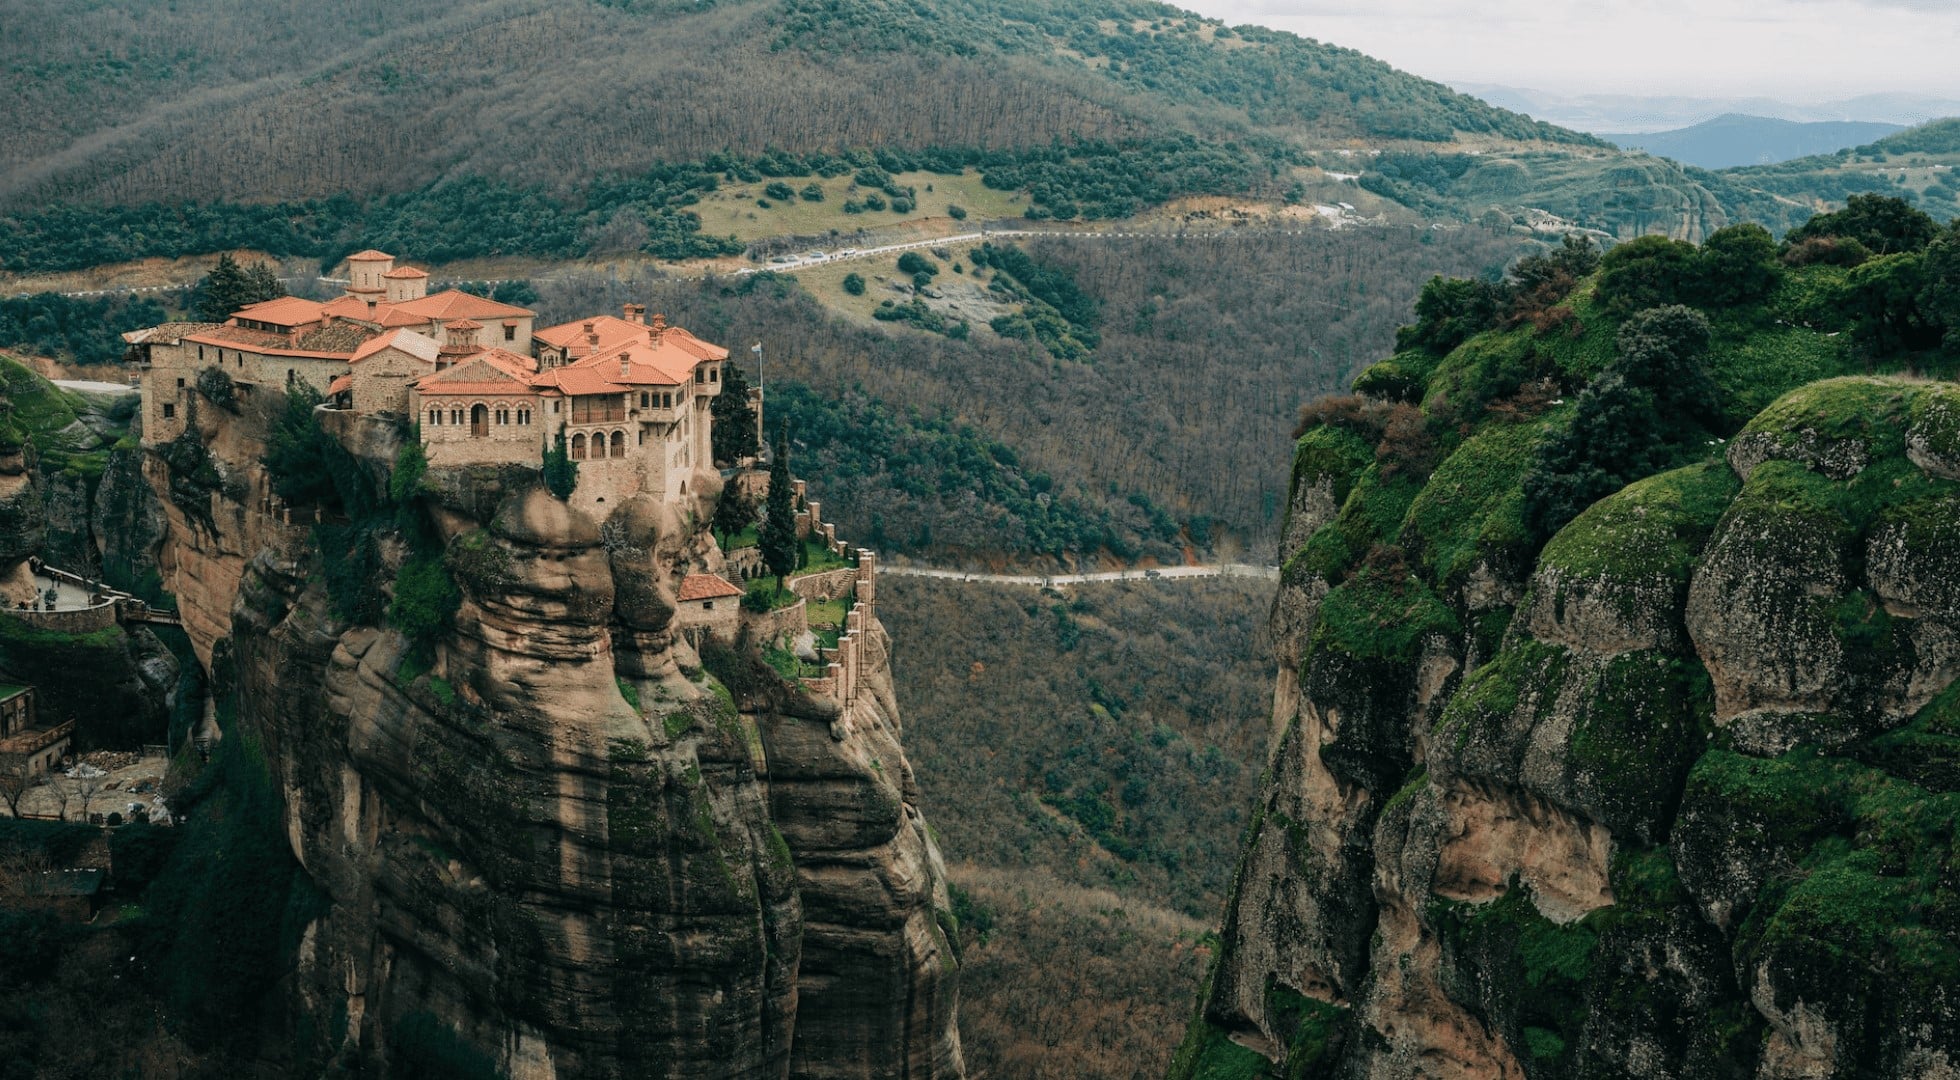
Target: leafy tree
1449,312
778,540
1739,265
854,284
1884,296
812,192
1939,295
914,263
217,387
956,212
1631,422
298,454
734,511
560,471
230,286
426,599
734,417
1886,224
519,293
779,191
1651,271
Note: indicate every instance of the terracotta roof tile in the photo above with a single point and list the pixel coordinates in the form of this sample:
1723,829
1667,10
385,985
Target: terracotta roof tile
419,346
457,304
282,311
406,272
370,255
705,587
494,372
340,385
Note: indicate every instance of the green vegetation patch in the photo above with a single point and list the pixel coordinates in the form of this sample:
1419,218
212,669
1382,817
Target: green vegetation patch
1862,409
1653,528
1637,734
1483,705
1935,421
1472,507
1208,1053
1333,455
1370,617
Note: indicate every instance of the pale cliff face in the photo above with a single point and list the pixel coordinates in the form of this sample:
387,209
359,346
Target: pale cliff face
1582,844
706,885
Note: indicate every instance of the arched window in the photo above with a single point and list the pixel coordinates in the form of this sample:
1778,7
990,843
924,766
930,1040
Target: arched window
619,444
479,419
578,448
435,417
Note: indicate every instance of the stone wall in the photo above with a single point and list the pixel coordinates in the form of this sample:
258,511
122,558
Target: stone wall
828,585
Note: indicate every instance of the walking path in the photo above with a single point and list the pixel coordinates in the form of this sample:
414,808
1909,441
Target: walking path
1245,570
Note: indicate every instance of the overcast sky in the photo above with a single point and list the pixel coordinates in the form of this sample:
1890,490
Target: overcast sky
1801,50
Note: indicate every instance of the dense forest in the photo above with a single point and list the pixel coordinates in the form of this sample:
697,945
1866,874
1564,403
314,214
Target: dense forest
262,108
1207,343
1086,759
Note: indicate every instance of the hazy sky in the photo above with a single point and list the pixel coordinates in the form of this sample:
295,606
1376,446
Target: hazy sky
1803,50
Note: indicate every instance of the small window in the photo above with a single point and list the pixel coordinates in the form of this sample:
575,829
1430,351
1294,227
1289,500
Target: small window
435,417
510,333
200,352
714,375
180,384
169,412
645,401
707,605
700,375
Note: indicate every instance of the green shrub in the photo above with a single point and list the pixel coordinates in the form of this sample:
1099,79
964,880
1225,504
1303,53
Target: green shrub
781,192
812,192
854,284
956,212
426,598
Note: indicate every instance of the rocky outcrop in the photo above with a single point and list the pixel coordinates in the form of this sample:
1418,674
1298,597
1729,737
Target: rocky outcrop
1674,802
554,833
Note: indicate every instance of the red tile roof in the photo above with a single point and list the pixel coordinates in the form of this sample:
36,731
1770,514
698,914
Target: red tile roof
417,345
705,587
283,311
457,304
340,385
370,255
579,381
492,372
464,324
405,272
611,331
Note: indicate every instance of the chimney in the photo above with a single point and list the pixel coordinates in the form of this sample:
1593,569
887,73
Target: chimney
659,329
625,365
591,335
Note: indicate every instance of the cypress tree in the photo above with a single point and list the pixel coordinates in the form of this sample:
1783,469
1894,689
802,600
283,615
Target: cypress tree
779,523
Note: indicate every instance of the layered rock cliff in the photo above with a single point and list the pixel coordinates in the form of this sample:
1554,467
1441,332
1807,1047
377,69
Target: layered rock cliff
555,840
1672,795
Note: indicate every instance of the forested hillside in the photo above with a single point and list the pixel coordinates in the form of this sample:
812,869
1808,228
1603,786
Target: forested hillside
288,99
1087,758
989,447
510,127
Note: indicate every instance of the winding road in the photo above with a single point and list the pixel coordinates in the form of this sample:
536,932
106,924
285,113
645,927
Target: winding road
1245,570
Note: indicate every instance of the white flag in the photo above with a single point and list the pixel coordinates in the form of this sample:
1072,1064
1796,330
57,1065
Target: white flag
756,348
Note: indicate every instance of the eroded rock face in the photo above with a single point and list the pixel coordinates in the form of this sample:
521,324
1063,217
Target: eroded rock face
705,885
1688,811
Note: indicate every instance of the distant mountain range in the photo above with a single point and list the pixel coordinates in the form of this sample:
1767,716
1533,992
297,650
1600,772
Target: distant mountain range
1733,140
1601,113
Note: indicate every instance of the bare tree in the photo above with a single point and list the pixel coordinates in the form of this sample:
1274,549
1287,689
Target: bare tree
16,776
20,864
88,781
63,790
